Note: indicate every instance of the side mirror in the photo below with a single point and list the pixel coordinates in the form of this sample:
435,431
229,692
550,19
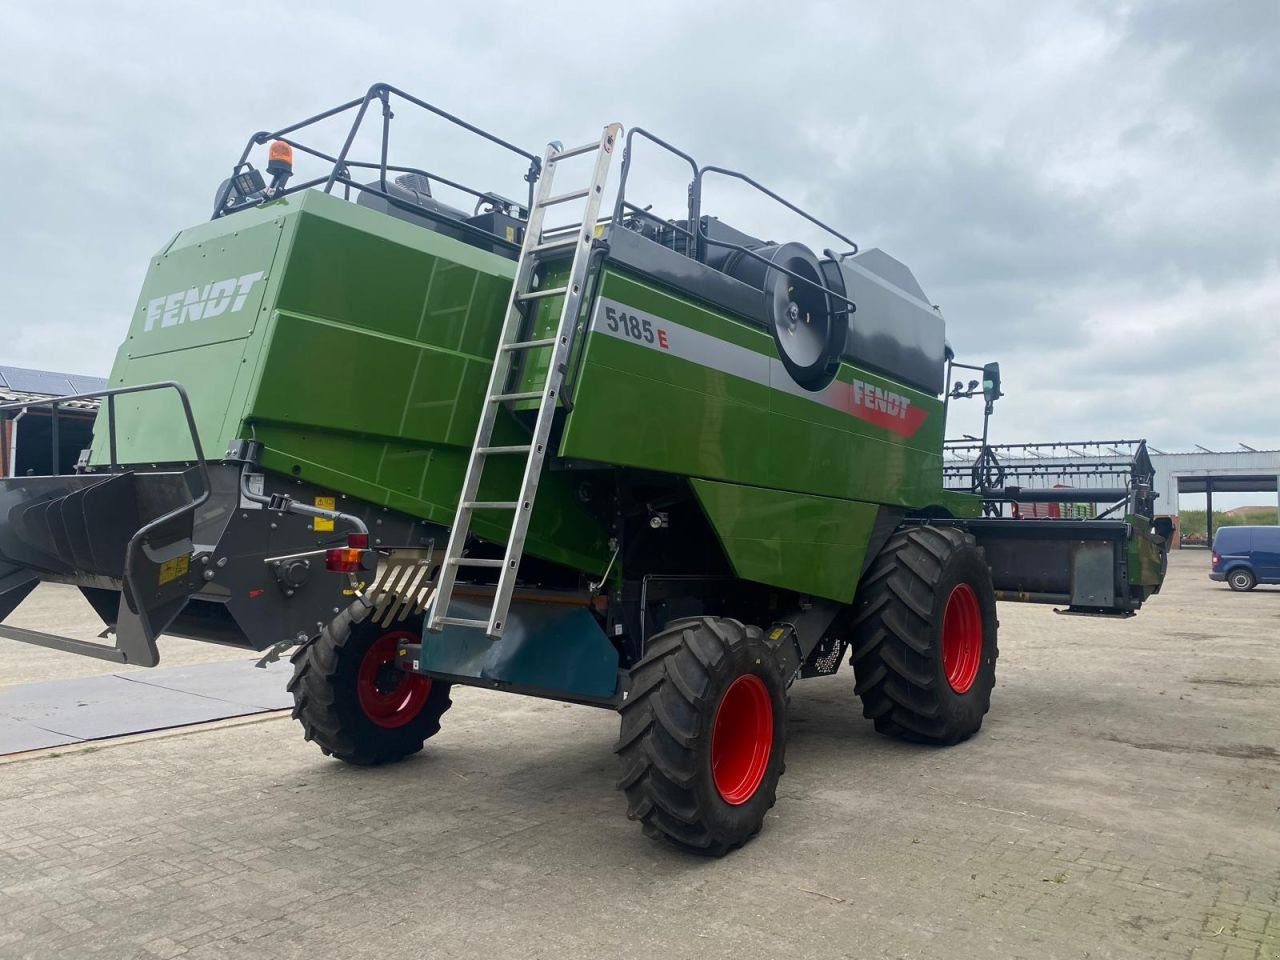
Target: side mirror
991,382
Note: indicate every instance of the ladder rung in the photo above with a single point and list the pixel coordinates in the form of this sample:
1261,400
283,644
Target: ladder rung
525,448
577,151
529,344
554,244
523,395
574,228
473,562
491,504
565,197
462,622
540,294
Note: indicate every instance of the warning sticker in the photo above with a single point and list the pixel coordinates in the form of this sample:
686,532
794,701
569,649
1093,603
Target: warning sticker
324,523
171,570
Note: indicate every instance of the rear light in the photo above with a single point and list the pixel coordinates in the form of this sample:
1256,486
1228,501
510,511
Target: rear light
348,559
1214,558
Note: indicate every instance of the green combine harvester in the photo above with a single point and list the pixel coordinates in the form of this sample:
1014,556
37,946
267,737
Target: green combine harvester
656,465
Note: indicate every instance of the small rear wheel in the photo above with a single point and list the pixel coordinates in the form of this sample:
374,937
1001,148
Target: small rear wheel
703,734
924,636
1241,579
352,699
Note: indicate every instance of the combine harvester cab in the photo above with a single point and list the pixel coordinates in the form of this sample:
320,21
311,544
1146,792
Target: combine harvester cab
656,465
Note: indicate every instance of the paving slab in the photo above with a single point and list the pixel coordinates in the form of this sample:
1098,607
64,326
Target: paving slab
17,736
241,682
56,712
111,706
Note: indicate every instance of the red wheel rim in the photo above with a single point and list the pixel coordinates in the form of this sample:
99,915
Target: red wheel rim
389,696
742,739
961,638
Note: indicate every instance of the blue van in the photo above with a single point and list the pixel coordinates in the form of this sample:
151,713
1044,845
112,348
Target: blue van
1246,556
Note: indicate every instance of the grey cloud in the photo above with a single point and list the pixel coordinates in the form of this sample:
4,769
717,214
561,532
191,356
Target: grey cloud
1038,167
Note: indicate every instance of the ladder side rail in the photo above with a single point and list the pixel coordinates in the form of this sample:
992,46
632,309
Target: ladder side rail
569,314
498,375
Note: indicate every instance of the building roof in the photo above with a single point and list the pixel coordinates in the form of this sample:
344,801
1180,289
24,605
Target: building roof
46,383
18,384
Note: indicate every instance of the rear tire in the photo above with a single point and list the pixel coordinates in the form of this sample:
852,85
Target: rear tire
924,636
703,734
352,700
1241,580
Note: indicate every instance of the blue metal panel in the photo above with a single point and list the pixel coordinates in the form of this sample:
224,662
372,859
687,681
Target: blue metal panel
545,647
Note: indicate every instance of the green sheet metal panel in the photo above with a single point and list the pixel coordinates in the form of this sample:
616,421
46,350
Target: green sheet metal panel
364,369
201,318
707,397
811,544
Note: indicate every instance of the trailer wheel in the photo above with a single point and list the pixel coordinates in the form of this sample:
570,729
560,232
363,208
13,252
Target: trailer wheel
924,636
354,702
703,734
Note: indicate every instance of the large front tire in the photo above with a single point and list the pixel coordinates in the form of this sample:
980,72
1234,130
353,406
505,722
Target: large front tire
924,636
354,702
703,734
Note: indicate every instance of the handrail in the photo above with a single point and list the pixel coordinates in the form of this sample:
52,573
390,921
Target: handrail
736,175
705,238
382,93
620,203
697,231
110,394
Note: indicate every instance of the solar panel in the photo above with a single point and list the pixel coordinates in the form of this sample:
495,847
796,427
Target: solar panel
47,383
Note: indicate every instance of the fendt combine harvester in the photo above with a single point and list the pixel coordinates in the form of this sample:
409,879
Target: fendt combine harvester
660,466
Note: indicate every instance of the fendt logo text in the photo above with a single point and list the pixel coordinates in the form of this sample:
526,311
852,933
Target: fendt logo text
201,303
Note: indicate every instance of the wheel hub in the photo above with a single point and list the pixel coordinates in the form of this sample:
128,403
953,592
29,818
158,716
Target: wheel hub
961,637
389,696
742,739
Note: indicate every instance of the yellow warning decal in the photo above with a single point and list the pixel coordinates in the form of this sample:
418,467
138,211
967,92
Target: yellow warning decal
511,234
775,633
324,523
171,570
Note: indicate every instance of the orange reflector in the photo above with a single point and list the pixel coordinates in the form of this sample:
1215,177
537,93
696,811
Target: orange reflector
343,559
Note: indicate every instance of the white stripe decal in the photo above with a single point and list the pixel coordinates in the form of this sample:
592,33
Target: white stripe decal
634,326
873,404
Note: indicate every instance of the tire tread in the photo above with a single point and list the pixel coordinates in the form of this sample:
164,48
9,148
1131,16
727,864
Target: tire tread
891,635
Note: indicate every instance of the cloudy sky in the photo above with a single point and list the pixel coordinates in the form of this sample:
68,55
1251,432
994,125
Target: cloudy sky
1091,191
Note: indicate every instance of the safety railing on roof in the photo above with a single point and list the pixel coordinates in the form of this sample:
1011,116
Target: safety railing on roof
695,234
235,194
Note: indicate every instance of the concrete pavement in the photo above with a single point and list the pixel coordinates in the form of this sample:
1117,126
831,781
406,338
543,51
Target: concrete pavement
1121,801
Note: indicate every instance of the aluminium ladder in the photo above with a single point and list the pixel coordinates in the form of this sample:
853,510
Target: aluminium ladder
577,237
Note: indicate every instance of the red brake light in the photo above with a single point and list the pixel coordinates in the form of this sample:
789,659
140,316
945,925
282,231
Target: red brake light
1214,558
342,560
348,559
